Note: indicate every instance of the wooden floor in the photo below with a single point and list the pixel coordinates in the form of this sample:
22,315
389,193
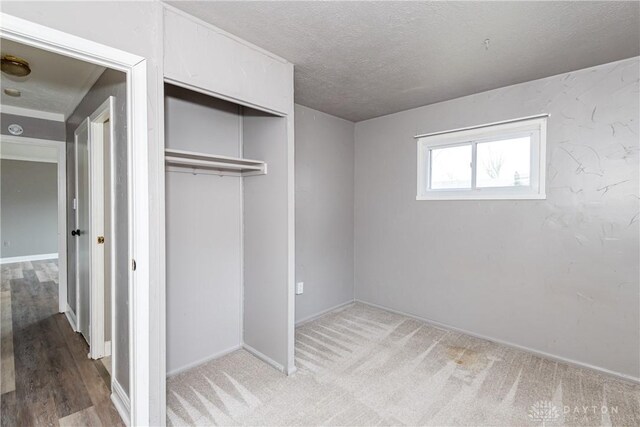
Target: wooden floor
46,377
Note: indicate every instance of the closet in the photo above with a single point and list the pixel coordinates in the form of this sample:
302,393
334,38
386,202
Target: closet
228,198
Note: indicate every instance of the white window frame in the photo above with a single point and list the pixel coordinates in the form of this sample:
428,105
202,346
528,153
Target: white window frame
535,127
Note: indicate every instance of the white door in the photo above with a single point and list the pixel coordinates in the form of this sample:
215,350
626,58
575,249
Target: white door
82,232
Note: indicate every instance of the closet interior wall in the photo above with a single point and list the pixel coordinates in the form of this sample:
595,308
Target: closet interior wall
230,223
226,258
203,232
267,323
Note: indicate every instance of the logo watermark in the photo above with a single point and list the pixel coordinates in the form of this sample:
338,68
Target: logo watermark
544,411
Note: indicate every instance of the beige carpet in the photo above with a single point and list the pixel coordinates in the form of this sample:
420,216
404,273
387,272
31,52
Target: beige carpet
366,366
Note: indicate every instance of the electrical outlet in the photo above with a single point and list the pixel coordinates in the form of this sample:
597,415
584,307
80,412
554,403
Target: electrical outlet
299,288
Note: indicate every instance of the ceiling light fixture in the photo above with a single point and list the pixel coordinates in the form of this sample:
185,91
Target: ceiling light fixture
15,129
12,92
15,66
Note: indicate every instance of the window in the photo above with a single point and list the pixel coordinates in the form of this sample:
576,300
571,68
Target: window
497,161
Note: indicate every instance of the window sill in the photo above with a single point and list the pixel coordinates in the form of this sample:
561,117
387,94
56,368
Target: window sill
450,197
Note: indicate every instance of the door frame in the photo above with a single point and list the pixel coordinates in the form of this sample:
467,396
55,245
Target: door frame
135,67
61,148
97,210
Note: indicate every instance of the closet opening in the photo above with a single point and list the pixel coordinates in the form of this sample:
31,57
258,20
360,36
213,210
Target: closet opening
226,235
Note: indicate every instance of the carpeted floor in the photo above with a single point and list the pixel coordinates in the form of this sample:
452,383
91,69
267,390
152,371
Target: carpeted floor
365,366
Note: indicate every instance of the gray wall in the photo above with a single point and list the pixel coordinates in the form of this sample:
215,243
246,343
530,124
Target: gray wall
204,232
33,127
559,275
110,83
29,221
324,211
266,246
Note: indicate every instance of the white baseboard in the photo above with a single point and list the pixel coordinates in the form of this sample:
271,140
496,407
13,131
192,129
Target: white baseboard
39,257
509,344
267,359
121,401
71,317
323,313
204,360
107,348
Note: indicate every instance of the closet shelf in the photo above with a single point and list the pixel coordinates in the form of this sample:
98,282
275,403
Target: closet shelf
193,160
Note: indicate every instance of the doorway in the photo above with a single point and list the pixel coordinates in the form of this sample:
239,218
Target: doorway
38,234
133,406
50,338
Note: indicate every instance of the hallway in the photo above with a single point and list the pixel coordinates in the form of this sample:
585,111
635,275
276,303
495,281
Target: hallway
46,376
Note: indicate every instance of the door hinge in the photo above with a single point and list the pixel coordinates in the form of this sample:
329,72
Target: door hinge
100,240
133,264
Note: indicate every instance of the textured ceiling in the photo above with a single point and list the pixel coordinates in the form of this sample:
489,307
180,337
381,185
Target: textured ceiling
56,84
359,60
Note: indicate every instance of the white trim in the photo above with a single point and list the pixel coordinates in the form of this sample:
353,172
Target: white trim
4,156
25,258
120,400
31,141
39,36
159,254
63,284
84,126
112,165
97,227
334,309
107,349
204,360
493,196
36,114
266,359
241,227
291,241
139,218
539,353
71,317
502,122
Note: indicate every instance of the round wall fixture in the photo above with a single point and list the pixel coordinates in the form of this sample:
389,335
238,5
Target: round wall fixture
15,66
12,92
15,129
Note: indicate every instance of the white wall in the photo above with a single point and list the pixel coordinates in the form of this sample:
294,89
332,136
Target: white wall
324,211
559,275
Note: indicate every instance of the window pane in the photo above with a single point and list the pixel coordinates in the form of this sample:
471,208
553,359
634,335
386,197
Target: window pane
451,167
504,163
